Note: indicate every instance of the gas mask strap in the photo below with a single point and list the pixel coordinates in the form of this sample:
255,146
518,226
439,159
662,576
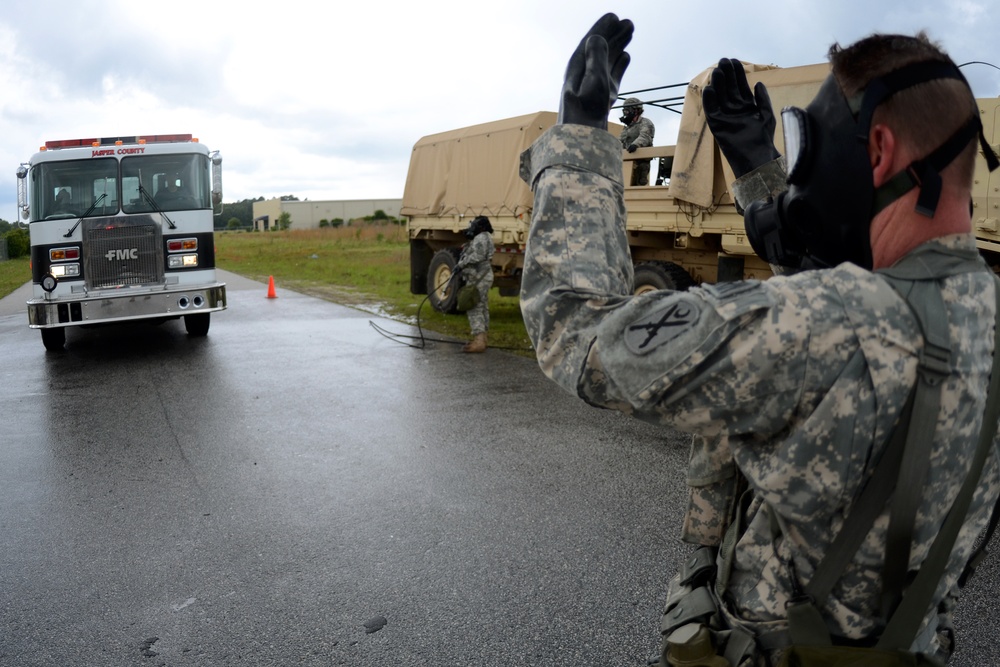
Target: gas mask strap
992,161
880,89
926,173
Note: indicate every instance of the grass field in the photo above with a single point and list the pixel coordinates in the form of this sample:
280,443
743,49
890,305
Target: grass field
366,266
13,274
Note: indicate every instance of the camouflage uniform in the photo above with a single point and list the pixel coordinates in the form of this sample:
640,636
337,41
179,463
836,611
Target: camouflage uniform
796,382
641,134
477,270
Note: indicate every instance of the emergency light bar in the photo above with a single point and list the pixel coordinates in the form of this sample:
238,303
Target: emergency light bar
118,141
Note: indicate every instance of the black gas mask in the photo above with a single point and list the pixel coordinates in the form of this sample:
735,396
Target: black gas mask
629,115
478,225
824,217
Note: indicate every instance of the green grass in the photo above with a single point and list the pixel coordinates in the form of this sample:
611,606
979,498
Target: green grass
13,274
365,266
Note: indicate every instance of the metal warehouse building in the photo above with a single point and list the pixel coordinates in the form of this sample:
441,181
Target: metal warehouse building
307,214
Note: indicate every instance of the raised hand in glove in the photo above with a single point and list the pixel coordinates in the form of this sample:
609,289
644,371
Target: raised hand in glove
742,122
632,148
594,73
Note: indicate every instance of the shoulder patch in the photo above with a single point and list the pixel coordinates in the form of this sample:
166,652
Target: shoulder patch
662,325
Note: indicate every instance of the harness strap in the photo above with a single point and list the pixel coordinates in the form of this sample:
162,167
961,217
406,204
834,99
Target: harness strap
933,366
905,623
916,279
806,624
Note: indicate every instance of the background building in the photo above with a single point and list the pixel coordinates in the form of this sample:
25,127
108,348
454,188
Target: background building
307,214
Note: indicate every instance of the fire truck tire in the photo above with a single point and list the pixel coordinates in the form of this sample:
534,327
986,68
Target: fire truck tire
441,291
54,339
650,276
197,325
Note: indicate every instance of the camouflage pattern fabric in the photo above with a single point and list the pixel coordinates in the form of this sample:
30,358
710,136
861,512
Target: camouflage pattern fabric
765,181
762,372
641,134
477,270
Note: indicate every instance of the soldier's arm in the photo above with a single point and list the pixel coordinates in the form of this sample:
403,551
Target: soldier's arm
577,261
646,132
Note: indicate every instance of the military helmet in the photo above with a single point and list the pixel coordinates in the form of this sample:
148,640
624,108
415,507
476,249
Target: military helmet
633,103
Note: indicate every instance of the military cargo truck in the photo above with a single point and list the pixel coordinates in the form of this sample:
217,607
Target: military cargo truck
683,228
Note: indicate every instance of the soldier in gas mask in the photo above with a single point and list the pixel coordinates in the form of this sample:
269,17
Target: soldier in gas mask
477,269
637,133
793,386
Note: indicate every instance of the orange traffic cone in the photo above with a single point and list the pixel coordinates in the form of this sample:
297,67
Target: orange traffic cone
271,294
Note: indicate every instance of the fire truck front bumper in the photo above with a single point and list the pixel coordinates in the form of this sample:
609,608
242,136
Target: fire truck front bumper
124,305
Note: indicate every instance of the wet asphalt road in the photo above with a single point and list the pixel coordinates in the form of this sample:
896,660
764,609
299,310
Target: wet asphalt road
297,489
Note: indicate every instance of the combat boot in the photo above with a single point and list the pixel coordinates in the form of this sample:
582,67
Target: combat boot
477,344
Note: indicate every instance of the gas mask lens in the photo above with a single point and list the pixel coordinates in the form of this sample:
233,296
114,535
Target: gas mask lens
795,127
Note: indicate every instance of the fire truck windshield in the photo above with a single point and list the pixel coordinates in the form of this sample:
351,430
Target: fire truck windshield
68,189
171,182
175,182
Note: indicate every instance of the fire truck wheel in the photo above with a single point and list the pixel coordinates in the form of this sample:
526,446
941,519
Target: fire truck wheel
197,325
54,339
650,276
442,294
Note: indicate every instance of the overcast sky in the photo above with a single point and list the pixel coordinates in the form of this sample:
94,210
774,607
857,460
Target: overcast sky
325,100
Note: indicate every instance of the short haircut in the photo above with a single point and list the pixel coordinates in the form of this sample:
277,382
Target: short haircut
923,116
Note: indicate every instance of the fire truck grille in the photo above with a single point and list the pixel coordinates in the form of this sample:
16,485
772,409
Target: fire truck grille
121,252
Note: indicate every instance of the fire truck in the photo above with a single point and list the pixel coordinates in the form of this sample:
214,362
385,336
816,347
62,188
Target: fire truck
121,230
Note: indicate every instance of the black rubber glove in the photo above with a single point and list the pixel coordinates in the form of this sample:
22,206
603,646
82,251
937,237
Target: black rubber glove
742,122
632,148
594,73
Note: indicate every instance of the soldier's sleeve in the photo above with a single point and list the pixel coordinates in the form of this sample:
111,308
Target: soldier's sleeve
765,181
646,132
577,261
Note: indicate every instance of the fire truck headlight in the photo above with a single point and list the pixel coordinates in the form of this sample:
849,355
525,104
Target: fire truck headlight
49,282
182,261
65,270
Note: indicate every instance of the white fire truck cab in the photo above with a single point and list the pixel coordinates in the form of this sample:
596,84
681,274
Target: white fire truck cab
121,229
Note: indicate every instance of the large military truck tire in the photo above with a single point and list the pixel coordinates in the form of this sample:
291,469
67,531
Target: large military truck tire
442,294
54,339
197,324
651,276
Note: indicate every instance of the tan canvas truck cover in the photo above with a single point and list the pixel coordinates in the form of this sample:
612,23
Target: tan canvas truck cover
473,170
693,176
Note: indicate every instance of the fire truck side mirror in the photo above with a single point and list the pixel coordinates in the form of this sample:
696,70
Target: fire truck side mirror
216,178
22,190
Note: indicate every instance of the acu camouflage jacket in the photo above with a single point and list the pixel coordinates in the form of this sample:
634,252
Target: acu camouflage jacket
796,381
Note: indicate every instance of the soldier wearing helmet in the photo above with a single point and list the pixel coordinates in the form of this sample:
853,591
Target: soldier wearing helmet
637,133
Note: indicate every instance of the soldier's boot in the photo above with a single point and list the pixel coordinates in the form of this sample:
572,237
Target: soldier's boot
477,344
